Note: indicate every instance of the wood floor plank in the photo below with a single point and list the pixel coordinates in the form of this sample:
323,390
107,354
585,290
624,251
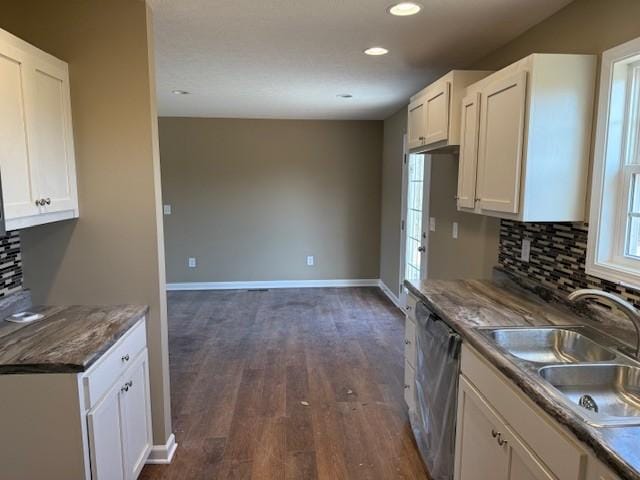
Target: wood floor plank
290,384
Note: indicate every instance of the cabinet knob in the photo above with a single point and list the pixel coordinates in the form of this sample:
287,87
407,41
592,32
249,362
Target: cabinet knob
494,434
407,387
501,442
456,197
125,358
408,307
478,199
407,342
127,386
39,203
47,201
422,249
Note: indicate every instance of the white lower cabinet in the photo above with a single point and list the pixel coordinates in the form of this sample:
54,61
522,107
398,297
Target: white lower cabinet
502,435
105,437
120,427
486,448
91,425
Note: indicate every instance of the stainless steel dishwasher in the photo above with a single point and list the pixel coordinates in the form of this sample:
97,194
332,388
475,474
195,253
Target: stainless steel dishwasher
433,423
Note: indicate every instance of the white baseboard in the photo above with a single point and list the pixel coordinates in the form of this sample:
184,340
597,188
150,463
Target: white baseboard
163,454
372,282
394,299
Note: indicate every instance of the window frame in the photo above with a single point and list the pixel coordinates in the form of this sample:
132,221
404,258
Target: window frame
612,172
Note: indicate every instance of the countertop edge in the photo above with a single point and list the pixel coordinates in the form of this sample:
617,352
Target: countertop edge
139,312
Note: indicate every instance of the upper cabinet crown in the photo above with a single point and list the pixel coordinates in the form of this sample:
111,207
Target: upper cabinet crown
525,139
434,113
37,161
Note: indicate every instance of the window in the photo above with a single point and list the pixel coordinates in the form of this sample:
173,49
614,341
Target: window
614,235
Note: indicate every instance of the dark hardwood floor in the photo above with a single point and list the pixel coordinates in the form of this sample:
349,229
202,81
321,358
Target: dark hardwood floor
288,384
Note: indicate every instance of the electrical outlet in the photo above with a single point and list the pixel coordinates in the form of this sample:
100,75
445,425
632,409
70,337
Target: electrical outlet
167,209
454,232
432,224
525,253
192,262
311,260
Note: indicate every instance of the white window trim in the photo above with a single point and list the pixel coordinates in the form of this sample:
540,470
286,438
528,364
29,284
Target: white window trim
603,259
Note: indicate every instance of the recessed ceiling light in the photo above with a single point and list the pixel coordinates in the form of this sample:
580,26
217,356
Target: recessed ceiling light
404,9
376,51
180,92
344,95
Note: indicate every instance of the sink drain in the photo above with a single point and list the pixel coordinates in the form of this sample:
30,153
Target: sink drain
587,401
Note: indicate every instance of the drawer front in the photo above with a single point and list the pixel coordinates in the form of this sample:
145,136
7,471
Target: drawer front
410,386
565,459
410,342
101,376
411,306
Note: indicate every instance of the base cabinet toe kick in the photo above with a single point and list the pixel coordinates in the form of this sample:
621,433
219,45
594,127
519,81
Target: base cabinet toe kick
92,425
500,433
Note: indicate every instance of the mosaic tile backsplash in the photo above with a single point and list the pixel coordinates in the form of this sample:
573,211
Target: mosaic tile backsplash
558,255
10,264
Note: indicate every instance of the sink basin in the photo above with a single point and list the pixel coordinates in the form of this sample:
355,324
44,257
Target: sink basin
613,391
550,345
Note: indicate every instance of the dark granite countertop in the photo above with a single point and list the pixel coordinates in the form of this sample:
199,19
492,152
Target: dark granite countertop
512,301
67,340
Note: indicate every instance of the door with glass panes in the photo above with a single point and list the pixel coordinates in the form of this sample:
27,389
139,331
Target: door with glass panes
416,173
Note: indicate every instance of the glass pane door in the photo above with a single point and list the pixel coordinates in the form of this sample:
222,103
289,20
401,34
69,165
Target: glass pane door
414,239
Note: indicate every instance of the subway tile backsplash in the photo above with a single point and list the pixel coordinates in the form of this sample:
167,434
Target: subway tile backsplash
10,264
558,255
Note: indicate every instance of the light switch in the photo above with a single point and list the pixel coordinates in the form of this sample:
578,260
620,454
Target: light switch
454,232
432,224
192,262
167,209
311,261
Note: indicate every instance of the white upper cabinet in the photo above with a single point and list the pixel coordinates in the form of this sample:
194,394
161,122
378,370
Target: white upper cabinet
524,153
470,121
434,113
37,161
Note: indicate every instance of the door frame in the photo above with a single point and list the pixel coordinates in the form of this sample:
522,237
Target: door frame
402,297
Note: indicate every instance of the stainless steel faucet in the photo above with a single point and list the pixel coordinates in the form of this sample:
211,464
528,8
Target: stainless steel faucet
625,307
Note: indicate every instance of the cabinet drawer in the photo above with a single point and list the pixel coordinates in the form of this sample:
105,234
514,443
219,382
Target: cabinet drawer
101,376
411,306
554,447
410,341
409,386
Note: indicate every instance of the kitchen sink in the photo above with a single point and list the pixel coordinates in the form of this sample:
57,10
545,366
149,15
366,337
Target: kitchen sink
603,394
550,345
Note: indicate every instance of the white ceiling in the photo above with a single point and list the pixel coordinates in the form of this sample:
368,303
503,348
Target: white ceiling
290,58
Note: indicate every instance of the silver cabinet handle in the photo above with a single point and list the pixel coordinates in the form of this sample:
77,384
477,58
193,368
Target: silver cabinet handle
422,249
127,386
39,203
47,201
501,442
125,358
494,434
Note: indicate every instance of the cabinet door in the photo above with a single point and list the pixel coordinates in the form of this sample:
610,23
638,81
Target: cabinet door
436,108
468,165
478,455
136,416
51,139
409,386
15,166
416,124
105,438
500,153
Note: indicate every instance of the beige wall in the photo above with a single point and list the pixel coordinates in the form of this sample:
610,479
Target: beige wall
390,238
584,26
475,252
252,198
113,253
